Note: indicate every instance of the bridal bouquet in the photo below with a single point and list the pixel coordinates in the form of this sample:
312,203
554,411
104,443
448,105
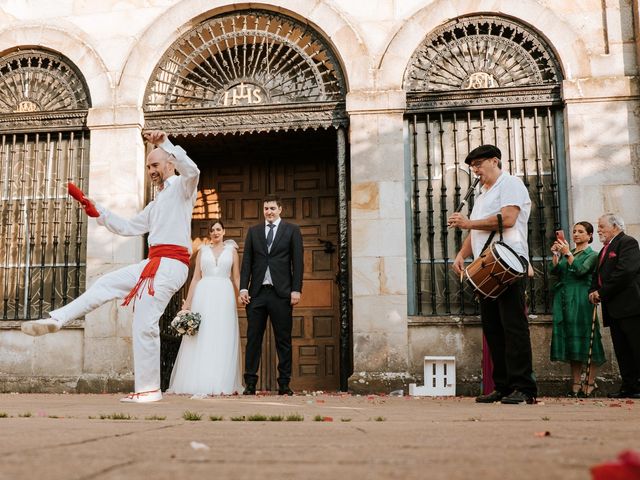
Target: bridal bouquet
186,323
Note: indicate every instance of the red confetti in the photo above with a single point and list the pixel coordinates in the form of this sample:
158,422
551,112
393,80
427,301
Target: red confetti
625,467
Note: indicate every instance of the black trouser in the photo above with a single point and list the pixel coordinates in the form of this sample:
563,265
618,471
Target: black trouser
625,334
268,304
506,328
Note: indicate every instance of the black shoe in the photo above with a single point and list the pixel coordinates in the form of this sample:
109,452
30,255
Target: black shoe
250,389
593,392
285,390
492,397
575,393
518,398
624,394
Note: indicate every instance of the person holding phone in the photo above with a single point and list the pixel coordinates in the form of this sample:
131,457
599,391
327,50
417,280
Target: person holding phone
572,312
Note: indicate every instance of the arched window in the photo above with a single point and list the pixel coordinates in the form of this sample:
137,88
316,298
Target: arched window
246,71
475,80
260,75
44,144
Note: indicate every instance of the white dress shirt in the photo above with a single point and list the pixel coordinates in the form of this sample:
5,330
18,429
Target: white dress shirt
267,276
167,218
507,191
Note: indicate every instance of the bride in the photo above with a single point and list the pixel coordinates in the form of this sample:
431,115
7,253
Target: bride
209,363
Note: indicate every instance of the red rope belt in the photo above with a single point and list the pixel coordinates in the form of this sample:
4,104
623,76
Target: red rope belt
156,253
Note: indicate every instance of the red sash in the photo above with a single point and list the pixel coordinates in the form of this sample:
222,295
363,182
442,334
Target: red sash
156,253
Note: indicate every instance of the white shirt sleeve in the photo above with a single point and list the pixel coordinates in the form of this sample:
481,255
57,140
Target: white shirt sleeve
137,225
513,193
187,169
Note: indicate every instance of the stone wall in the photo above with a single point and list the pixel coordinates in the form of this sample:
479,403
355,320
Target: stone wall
117,43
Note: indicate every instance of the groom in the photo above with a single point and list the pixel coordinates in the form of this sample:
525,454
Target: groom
270,285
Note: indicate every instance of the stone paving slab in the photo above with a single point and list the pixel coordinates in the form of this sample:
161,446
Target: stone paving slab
368,437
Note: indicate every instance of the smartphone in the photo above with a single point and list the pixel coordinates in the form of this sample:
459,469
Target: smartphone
560,235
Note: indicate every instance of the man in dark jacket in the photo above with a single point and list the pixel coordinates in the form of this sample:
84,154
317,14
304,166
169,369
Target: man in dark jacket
270,285
616,284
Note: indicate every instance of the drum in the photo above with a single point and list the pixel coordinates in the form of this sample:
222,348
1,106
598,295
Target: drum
494,270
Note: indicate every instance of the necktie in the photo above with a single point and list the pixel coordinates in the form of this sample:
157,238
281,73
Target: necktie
270,234
603,254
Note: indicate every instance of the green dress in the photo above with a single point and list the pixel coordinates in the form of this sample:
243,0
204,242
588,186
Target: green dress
572,312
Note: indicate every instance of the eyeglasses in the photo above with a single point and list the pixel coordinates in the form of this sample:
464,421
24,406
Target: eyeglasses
476,163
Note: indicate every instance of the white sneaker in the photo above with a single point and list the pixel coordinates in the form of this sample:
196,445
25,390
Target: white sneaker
35,328
143,397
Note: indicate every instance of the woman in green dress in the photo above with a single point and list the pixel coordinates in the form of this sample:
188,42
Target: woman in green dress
572,312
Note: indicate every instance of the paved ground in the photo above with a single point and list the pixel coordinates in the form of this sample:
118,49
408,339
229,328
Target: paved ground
369,437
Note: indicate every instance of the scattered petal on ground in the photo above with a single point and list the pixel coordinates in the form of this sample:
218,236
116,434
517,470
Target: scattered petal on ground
199,446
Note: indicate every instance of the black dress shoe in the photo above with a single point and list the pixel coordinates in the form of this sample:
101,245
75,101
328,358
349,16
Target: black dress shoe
285,390
624,394
518,398
492,397
250,389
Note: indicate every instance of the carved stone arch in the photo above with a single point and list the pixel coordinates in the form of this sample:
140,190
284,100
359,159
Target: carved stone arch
251,70
41,89
483,59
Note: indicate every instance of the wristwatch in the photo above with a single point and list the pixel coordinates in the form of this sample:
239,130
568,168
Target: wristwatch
568,254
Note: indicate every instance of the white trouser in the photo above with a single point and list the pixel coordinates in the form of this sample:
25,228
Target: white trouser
170,276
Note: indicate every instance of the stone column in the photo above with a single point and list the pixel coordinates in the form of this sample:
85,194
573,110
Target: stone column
603,138
116,181
378,246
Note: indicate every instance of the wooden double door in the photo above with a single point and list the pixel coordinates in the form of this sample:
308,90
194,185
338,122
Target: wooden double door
300,167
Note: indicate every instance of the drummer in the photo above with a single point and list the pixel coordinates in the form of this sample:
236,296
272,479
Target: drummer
504,319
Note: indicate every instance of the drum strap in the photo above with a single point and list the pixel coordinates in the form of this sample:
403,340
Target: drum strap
493,234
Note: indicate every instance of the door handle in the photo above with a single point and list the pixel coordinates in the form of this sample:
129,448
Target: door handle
329,247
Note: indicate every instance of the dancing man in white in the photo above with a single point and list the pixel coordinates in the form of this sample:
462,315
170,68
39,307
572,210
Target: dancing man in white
151,283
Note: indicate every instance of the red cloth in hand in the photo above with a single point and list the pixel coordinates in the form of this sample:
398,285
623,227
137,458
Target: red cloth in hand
76,193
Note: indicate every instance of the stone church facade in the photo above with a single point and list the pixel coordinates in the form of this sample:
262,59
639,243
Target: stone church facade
357,113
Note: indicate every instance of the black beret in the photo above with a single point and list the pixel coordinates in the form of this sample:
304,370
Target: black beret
483,151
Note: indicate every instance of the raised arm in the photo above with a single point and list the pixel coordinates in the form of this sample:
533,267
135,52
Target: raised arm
187,169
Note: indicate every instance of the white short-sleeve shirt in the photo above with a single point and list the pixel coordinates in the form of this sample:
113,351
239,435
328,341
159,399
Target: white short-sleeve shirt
507,191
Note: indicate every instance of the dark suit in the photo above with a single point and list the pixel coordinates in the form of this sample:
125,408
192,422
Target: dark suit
617,280
285,261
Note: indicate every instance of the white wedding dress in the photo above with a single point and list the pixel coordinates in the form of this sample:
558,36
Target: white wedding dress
209,363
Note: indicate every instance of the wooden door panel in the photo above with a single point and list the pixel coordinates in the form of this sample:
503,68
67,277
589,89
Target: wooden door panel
234,179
